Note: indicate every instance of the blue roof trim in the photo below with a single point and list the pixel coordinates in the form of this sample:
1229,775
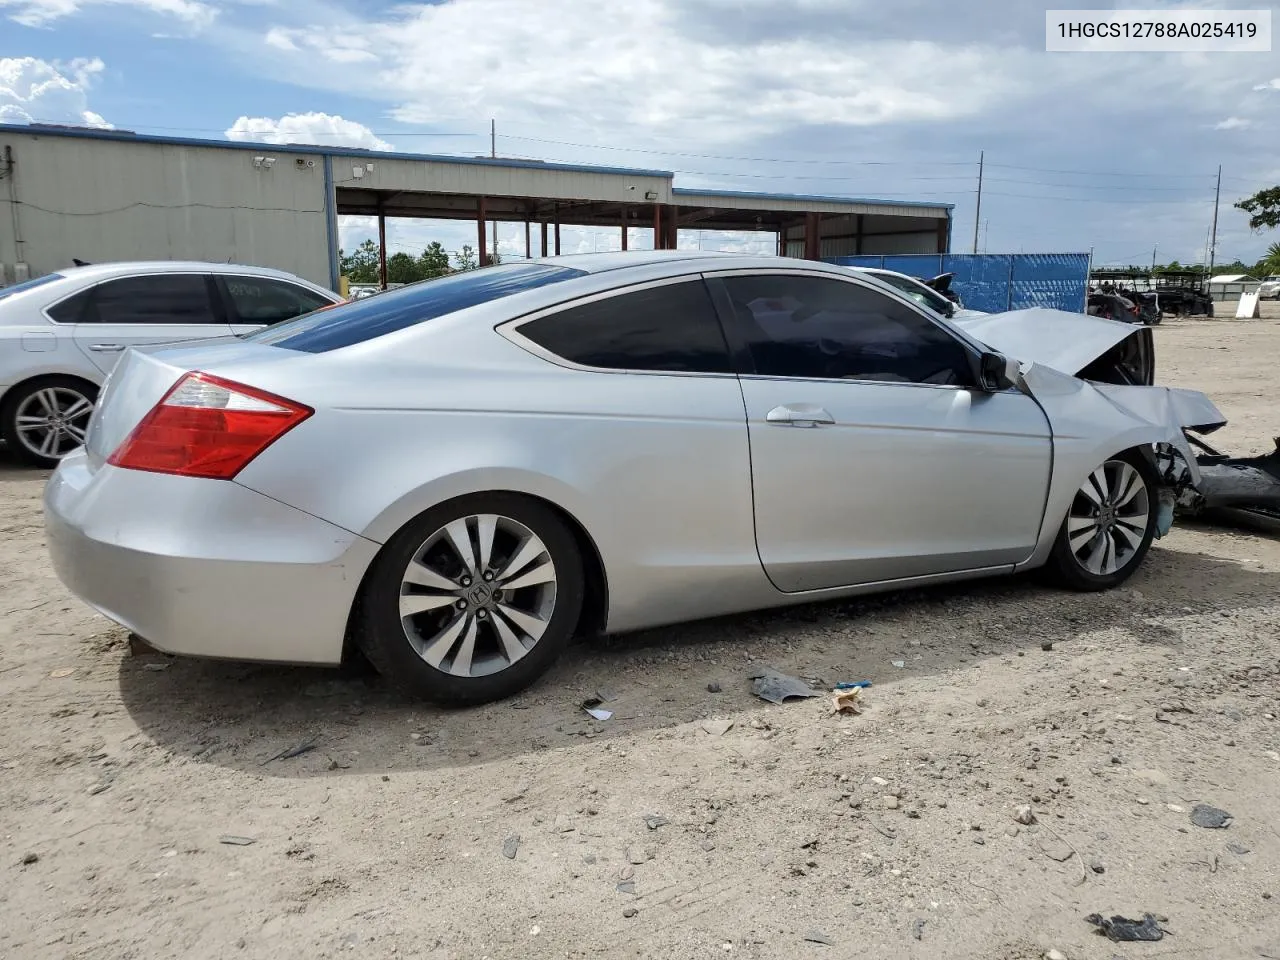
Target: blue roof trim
807,198
125,137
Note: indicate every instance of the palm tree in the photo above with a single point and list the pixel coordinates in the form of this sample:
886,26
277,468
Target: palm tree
1269,265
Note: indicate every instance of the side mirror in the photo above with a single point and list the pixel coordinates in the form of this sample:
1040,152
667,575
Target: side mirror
997,372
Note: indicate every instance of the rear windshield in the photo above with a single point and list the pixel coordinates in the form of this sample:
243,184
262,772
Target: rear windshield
10,290
331,328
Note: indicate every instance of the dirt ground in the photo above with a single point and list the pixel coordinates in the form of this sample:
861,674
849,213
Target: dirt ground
887,834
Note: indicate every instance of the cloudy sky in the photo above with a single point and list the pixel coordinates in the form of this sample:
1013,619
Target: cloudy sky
1116,152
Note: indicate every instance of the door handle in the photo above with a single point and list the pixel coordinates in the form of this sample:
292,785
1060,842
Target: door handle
106,347
799,415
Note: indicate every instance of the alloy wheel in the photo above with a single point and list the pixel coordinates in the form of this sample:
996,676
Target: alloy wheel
1108,518
52,421
477,595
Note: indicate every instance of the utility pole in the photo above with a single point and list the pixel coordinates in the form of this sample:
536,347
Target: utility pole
1213,244
1153,257
977,214
493,139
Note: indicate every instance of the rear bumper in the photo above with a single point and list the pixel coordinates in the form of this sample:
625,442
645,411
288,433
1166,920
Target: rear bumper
203,567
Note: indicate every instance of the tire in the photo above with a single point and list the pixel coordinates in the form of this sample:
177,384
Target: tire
501,642
66,399
1069,566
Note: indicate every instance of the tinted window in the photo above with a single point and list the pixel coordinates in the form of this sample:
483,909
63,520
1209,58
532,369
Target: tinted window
361,320
811,327
925,296
72,309
263,300
672,327
159,298
13,288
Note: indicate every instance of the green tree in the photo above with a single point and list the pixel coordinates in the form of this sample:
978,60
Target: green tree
1263,208
466,258
362,265
434,261
402,268
1270,263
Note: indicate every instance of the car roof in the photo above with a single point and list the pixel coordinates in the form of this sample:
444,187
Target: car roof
122,267
621,260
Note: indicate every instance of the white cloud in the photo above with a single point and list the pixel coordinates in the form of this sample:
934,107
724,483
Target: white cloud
36,91
315,128
1233,123
40,13
1269,85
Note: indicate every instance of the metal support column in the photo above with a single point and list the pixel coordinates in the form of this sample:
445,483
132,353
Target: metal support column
556,215
857,239
624,230
545,249
482,253
528,242
382,247
812,236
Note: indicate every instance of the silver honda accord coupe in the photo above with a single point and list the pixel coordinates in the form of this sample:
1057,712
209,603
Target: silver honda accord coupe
458,476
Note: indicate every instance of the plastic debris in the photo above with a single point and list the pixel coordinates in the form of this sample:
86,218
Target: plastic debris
899,663
1123,930
850,685
237,841
778,687
847,700
592,706
1211,818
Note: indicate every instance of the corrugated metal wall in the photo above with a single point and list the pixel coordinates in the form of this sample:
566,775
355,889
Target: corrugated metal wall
105,200
997,282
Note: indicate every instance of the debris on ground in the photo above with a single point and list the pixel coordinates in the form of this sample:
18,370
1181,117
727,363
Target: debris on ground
592,706
713,687
917,928
29,858
306,746
654,820
511,846
1211,818
717,728
847,700
1055,955
630,912
235,841
778,687
1024,815
899,663
1123,930
817,936
156,667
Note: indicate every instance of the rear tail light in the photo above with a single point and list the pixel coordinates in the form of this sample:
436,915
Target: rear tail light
207,427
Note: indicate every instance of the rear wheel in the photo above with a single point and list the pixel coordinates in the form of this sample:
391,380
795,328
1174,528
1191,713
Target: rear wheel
1108,527
45,419
473,600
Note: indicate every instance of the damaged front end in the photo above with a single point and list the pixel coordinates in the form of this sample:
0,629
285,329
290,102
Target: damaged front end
1117,361
1235,488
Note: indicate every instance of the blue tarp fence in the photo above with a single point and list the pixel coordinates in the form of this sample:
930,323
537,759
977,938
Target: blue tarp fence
995,282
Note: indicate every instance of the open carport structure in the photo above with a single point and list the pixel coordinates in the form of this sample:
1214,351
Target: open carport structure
547,197
75,193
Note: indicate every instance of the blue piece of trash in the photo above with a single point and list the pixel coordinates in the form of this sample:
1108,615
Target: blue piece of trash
854,684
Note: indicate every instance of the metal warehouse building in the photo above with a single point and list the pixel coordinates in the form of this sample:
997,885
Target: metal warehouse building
74,193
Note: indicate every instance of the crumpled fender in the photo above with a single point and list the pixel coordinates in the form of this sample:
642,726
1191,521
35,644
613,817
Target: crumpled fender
1093,421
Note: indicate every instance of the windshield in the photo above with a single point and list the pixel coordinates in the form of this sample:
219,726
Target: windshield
918,292
356,321
25,285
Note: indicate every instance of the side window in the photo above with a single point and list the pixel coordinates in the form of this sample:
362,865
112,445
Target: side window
814,327
171,298
267,301
74,309
668,328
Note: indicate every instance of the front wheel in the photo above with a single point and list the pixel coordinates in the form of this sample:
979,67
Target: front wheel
473,600
1108,527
